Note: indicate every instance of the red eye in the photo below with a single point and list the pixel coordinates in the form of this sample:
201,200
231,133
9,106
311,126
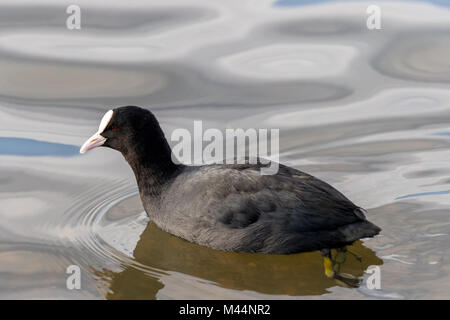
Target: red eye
114,128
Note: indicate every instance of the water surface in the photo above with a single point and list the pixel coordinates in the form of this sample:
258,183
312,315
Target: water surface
366,110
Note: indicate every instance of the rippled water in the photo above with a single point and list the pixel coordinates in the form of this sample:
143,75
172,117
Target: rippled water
367,111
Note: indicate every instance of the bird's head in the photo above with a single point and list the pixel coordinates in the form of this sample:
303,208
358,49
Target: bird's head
124,128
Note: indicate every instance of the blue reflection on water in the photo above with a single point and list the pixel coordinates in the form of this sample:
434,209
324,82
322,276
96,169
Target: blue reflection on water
35,148
292,3
412,195
423,194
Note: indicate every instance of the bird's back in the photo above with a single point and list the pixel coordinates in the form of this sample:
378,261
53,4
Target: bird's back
235,208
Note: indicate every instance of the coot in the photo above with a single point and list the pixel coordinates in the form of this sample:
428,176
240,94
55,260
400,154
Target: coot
230,207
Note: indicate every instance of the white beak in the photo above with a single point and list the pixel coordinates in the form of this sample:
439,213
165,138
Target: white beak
97,139
93,142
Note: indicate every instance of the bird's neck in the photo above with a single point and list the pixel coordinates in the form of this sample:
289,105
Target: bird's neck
151,161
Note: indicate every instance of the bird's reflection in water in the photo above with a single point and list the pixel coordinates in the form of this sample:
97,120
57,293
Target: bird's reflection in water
295,275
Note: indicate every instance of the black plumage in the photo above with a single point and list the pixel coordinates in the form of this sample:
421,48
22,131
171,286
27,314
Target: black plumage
232,207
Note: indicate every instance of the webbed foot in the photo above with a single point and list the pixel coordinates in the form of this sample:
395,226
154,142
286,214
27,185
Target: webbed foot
332,266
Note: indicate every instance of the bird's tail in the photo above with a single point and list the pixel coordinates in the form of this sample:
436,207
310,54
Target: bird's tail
358,230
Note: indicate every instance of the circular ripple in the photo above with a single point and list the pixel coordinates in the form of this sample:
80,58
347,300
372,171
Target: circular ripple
105,224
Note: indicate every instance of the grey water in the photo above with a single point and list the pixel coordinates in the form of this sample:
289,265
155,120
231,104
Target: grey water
366,110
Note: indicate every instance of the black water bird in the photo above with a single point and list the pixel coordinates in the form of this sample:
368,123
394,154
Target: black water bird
230,207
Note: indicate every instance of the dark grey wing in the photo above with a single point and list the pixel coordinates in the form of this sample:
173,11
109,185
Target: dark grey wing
302,202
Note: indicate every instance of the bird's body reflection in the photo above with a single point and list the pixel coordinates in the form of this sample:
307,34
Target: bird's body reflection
295,275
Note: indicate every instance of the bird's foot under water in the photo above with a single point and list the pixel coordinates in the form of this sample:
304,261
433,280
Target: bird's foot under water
332,265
